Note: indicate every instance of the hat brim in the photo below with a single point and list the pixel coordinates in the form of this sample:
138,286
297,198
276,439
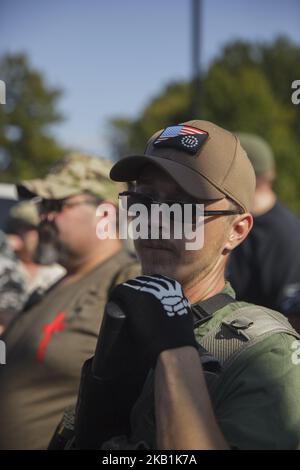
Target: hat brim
192,182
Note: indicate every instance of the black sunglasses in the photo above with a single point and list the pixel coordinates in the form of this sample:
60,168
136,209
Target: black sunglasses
139,198
45,206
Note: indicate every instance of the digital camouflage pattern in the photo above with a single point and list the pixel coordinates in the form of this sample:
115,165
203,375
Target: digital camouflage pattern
13,293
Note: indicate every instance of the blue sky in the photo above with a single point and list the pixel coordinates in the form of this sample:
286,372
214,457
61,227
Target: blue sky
111,56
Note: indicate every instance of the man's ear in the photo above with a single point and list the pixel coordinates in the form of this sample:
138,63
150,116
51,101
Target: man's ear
238,231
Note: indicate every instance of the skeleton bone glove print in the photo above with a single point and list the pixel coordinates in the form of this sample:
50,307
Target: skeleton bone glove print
159,315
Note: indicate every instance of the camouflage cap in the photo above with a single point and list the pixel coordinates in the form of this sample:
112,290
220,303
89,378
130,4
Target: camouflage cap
26,211
74,174
259,152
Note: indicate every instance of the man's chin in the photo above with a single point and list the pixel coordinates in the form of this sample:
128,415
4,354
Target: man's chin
159,263
162,270
157,256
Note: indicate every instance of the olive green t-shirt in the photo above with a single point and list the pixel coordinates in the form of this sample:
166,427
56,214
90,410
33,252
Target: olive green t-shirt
46,348
257,401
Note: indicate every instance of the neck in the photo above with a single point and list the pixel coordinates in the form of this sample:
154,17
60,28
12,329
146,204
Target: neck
264,200
89,262
30,267
203,287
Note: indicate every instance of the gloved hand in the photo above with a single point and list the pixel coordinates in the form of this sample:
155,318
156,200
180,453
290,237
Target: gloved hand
158,314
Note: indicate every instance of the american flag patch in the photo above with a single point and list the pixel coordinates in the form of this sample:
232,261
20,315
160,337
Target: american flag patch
174,131
182,137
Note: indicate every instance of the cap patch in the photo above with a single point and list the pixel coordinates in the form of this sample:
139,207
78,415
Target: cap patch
182,137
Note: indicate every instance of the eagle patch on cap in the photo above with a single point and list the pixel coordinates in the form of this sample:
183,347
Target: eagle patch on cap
182,137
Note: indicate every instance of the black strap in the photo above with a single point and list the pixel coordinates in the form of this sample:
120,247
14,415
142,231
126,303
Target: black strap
204,310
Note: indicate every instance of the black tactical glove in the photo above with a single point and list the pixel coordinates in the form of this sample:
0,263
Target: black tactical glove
158,314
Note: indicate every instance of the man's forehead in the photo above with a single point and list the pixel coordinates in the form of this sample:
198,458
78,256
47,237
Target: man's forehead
75,196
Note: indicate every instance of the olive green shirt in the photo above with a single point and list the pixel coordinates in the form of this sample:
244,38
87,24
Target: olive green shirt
256,403
46,348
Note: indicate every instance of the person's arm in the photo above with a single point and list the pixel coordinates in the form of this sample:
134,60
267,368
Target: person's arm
183,409
160,322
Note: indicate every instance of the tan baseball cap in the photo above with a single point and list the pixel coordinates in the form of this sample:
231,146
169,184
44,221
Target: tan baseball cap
74,174
207,161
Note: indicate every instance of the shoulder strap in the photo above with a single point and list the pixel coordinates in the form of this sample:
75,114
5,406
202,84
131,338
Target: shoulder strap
204,310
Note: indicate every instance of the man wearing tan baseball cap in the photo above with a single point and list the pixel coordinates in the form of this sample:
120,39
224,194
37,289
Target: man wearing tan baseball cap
204,163
219,368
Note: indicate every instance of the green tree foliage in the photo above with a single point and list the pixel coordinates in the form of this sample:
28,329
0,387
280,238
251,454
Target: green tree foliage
246,88
27,147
